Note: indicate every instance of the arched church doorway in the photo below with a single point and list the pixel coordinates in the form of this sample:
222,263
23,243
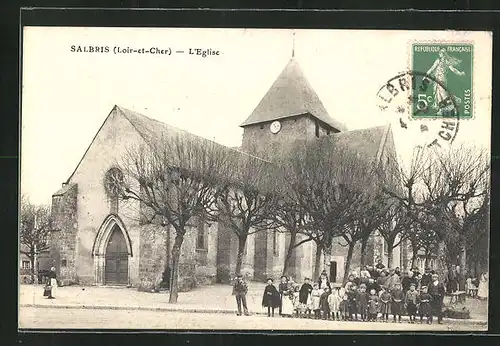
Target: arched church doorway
116,255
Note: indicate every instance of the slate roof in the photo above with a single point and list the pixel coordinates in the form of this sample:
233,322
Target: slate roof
291,95
150,129
366,142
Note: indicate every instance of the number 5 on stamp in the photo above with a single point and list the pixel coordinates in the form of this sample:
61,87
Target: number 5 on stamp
445,88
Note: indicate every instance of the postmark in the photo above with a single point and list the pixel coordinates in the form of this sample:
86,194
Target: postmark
401,96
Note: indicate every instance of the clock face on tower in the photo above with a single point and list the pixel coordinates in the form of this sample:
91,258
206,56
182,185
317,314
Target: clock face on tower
275,127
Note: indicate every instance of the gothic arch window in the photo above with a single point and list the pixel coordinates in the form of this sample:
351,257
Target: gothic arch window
113,184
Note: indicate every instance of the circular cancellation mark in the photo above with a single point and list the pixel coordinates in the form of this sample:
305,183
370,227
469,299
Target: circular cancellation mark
409,95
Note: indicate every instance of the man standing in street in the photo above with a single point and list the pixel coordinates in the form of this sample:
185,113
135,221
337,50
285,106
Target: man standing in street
436,290
240,290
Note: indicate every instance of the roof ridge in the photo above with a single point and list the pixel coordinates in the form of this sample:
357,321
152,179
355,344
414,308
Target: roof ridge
122,109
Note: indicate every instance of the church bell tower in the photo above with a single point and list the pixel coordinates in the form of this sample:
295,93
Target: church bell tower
289,111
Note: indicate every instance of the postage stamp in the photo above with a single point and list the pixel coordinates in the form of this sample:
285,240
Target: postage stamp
446,90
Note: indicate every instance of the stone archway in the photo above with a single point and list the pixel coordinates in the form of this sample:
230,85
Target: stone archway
111,252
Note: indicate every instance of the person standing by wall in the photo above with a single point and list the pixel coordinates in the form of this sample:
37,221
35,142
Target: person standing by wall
52,283
240,290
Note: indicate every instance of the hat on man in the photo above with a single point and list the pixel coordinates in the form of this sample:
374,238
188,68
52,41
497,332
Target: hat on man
413,284
362,285
423,287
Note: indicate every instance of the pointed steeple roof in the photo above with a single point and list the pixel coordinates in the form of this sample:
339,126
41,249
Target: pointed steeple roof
291,95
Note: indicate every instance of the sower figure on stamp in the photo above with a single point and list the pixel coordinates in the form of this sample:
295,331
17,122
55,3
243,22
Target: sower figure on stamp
240,290
439,71
437,291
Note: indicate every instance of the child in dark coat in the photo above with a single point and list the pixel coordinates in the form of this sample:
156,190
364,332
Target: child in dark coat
385,304
397,297
344,306
304,298
363,298
373,305
270,298
411,302
352,298
425,308
324,306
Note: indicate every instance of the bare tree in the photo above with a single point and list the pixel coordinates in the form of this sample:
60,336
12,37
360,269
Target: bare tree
457,186
174,179
442,190
291,220
246,202
393,228
327,181
36,225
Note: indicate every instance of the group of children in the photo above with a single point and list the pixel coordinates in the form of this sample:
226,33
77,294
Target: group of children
346,304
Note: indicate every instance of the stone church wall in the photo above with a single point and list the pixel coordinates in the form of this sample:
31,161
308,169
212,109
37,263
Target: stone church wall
63,241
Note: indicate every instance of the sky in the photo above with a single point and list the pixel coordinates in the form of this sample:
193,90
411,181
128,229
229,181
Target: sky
67,95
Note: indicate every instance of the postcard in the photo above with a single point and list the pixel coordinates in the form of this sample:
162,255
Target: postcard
270,179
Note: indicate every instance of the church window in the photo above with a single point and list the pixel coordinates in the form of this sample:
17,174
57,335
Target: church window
63,263
317,129
275,243
201,242
113,184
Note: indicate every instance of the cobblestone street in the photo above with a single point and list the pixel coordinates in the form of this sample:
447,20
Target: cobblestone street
136,319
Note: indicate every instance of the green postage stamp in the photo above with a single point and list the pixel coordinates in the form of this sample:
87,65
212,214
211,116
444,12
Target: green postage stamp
446,87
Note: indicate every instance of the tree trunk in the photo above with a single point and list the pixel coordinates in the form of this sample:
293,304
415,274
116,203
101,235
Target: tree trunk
364,243
286,264
174,277
317,262
32,270
441,257
327,255
348,262
390,255
463,263
241,253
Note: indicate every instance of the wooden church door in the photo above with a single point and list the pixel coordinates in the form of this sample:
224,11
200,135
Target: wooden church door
116,272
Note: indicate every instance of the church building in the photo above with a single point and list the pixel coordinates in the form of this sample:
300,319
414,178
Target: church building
100,240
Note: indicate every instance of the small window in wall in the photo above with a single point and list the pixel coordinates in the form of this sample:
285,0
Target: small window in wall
328,132
261,126
26,265
317,129
275,243
63,263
